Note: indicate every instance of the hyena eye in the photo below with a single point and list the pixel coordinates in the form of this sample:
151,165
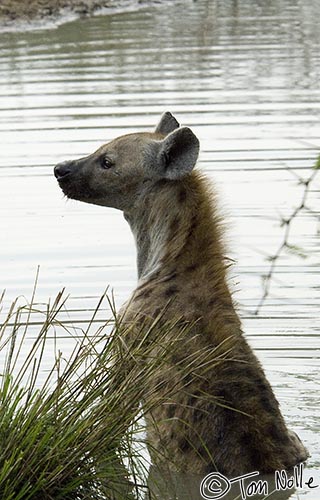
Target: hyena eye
106,163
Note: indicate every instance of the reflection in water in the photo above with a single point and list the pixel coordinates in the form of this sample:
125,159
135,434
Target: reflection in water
245,76
175,486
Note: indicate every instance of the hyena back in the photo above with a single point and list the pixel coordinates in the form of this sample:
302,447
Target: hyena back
223,415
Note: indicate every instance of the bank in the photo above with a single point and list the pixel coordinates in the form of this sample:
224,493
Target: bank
15,12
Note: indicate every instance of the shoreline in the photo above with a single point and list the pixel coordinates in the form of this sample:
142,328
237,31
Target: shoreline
34,14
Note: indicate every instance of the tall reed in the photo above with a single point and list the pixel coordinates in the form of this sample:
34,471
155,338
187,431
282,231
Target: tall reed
74,430
71,432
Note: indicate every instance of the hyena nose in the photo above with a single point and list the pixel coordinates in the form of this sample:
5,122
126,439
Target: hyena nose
62,169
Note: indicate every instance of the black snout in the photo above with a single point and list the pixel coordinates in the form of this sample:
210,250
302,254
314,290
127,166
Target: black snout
62,170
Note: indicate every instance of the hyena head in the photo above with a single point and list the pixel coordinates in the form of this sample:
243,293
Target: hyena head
118,173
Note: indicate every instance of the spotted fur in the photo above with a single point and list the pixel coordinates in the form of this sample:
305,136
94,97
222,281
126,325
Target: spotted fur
222,414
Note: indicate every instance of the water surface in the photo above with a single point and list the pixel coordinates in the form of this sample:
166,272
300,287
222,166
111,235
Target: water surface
245,77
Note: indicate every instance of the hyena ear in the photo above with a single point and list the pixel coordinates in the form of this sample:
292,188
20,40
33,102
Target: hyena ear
178,154
167,124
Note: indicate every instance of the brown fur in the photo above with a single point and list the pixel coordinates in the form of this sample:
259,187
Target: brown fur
217,411
226,418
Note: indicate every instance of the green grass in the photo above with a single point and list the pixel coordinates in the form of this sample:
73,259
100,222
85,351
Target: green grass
73,432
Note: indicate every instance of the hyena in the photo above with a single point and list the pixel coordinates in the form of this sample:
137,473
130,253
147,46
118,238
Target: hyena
223,415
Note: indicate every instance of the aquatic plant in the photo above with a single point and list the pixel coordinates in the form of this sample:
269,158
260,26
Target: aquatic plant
72,433
72,428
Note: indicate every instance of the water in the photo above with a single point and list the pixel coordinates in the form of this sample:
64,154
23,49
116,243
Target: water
245,77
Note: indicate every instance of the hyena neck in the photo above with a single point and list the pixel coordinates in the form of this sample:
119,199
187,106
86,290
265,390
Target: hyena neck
176,228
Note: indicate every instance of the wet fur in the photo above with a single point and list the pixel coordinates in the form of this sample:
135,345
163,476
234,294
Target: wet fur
225,418
222,414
